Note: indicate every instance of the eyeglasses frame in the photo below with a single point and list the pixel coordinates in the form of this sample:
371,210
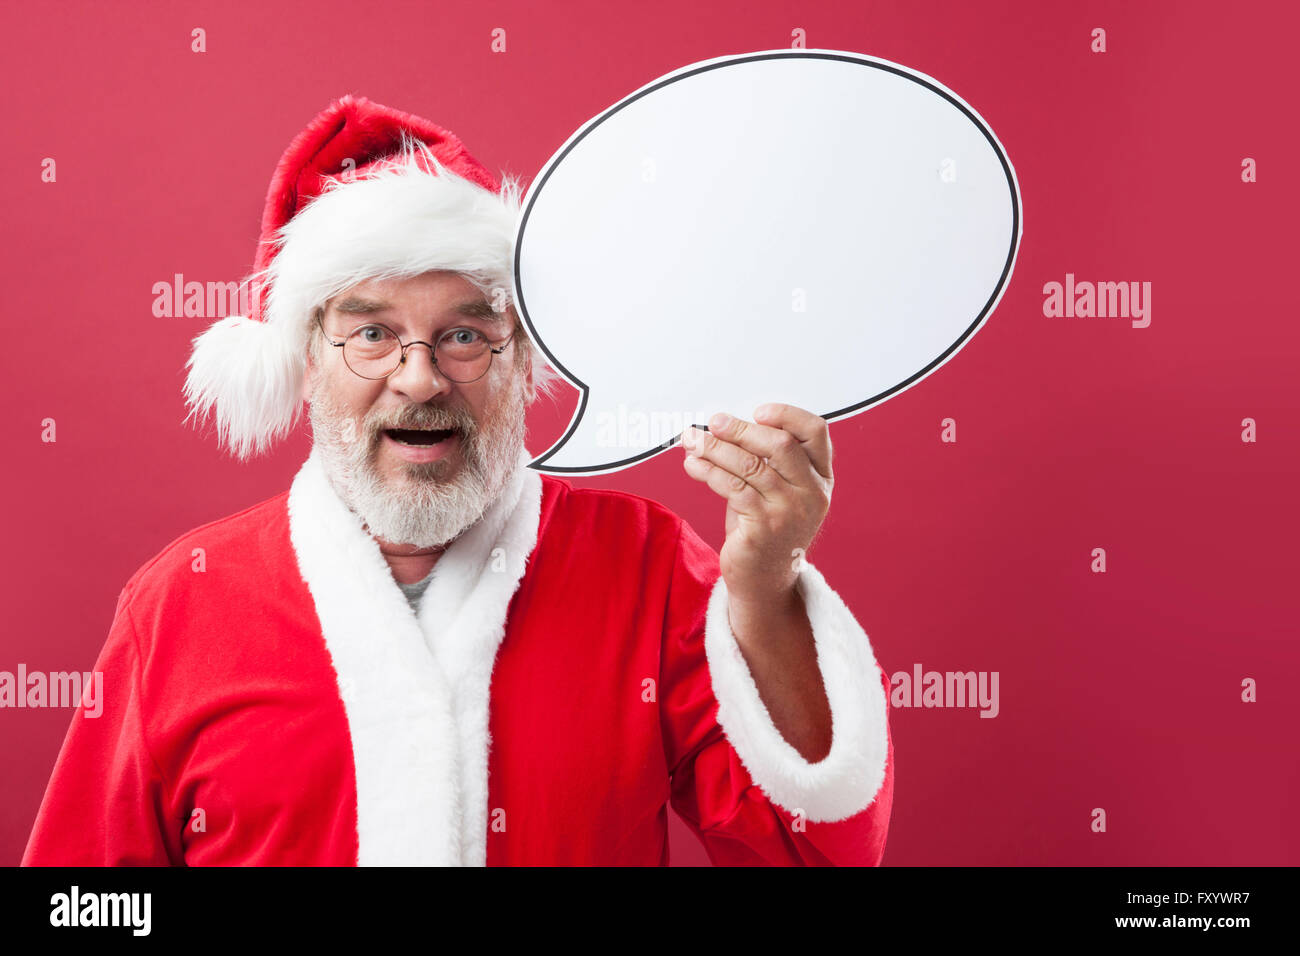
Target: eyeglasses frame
493,351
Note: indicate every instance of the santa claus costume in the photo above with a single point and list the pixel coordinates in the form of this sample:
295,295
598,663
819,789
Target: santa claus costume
570,673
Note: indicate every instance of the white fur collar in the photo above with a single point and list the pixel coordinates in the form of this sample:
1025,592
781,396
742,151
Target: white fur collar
416,690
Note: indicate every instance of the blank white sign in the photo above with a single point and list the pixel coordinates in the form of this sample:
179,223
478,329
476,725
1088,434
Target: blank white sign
814,227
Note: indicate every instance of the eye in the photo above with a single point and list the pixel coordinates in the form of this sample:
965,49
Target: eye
371,334
465,337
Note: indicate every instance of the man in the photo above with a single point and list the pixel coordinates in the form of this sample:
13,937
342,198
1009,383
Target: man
425,652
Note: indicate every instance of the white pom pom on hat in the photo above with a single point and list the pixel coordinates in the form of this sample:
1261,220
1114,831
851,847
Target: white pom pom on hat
364,191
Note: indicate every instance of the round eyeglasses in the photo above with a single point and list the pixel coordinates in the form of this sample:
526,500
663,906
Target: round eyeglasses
374,351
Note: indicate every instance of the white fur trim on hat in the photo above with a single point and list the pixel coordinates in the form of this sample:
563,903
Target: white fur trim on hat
249,375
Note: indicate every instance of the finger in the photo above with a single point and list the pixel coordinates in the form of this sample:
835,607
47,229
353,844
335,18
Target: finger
809,429
746,466
784,451
741,495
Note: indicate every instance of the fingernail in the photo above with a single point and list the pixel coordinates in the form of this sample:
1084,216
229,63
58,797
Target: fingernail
688,437
719,421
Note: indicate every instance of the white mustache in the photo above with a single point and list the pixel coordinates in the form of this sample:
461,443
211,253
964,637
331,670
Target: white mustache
431,422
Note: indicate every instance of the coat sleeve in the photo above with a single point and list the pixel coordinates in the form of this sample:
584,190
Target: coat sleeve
105,803
750,796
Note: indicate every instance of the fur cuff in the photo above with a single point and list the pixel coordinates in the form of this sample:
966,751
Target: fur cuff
846,781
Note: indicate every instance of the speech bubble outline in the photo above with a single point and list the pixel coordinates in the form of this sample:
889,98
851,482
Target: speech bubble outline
685,73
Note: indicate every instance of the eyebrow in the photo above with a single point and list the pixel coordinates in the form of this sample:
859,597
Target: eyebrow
355,305
479,309
472,308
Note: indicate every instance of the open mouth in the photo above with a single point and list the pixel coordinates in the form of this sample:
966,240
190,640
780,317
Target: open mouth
419,436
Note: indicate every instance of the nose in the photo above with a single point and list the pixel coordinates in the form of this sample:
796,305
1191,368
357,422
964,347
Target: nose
417,379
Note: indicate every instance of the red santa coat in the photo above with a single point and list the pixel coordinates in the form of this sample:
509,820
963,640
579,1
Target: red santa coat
570,673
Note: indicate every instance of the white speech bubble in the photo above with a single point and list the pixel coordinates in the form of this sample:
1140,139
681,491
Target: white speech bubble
813,227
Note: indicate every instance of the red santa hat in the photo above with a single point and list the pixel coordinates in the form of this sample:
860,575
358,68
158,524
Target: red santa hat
363,192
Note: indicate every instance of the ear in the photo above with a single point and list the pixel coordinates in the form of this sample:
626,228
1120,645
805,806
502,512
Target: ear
519,333
310,369
309,373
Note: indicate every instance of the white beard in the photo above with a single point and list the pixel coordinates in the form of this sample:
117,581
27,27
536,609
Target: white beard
421,508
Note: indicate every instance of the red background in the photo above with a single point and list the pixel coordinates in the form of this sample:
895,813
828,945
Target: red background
1118,690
